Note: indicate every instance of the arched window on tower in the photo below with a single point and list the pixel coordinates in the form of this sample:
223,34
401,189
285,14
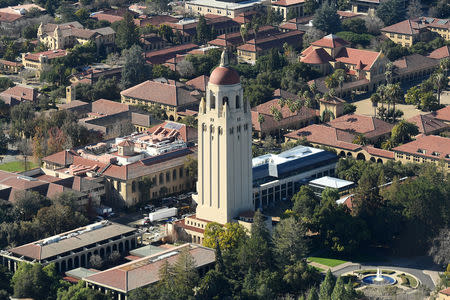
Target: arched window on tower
225,100
212,99
238,103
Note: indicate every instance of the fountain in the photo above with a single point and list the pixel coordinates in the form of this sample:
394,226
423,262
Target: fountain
378,279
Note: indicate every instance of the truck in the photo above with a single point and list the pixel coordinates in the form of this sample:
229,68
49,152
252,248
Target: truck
162,214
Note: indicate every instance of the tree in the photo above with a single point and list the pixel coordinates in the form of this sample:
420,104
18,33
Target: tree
403,132
27,204
165,32
440,247
440,82
305,202
339,291
290,241
96,261
391,11
135,69
414,9
312,295
79,291
203,31
310,7
355,25
327,19
127,34
186,69
214,286
326,287
348,108
185,274
300,276
34,281
228,237
395,95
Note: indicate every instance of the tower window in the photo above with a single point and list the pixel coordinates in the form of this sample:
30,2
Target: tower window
225,100
220,130
212,100
231,130
238,104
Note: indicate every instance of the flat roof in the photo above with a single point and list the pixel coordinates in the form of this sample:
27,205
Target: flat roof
331,182
147,251
145,271
80,273
225,5
71,240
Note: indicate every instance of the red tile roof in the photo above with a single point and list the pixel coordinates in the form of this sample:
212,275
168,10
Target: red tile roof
160,56
108,107
369,126
272,41
427,124
440,53
432,146
316,56
442,114
364,58
404,27
107,17
10,63
62,158
6,17
445,291
330,41
199,83
287,2
20,93
325,135
379,152
51,54
168,93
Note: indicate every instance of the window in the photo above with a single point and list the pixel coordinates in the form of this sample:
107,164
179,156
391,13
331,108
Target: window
119,186
212,100
174,174
238,104
167,176
181,172
161,178
225,100
133,186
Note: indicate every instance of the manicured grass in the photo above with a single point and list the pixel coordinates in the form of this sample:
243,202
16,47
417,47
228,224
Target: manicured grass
366,272
408,280
17,166
330,262
318,269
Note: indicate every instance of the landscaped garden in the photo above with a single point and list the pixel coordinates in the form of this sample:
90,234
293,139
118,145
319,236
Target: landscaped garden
17,166
330,262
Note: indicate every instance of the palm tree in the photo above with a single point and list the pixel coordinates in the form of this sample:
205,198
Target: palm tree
395,95
340,78
375,98
388,144
445,65
281,102
261,119
360,139
440,81
389,72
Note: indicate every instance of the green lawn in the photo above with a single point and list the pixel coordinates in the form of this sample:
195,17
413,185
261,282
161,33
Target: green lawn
330,262
17,166
408,280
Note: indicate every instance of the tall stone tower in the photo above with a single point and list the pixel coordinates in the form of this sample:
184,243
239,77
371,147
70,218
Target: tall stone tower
224,148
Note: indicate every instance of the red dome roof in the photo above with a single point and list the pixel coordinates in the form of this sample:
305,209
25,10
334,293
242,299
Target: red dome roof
224,76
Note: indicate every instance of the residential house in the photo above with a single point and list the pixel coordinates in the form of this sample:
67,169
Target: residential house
254,48
67,35
170,95
18,94
425,148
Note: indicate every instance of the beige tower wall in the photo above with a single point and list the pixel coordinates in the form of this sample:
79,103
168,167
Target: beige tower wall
224,156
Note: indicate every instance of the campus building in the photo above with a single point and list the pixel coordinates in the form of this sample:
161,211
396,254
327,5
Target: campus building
279,176
119,281
158,154
37,61
67,35
172,96
229,9
73,249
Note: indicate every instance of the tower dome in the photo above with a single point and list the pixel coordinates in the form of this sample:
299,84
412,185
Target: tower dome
223,74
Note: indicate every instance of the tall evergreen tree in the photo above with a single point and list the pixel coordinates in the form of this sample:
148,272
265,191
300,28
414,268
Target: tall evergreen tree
339,292
290,244
127,33
312,295
326,287
135,69
203,31
327,19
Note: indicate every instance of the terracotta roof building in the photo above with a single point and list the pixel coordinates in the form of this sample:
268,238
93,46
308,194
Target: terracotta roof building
17,94
161,56
145,271
290,120
442,114
199,83
252,49
233,40
7,66
427,124
158,154
230,9
67,35
407,32
425,148
100,16
287,7
371,127
73,249
440,53
170,95
364,68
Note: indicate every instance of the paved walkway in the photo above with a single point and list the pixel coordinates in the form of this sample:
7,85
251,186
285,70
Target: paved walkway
333,269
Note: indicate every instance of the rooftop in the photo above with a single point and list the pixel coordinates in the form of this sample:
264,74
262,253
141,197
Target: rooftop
145,271
71,240
369,126
442,114
427,124
431,146
51,54
331,182
225,5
